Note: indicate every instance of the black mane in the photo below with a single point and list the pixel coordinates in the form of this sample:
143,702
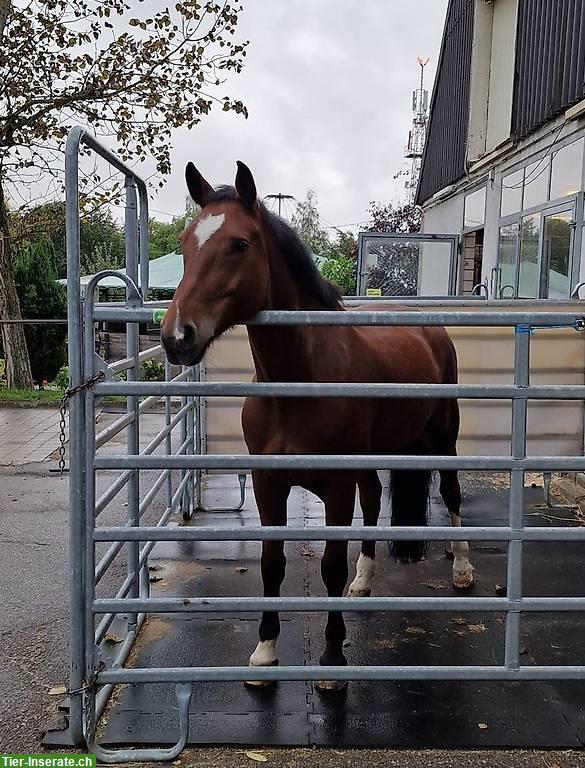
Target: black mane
297,255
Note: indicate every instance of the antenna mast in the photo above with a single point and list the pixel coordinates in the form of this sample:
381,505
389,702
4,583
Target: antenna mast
418,133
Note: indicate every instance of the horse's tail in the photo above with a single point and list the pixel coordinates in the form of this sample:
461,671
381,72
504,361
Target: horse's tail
409,490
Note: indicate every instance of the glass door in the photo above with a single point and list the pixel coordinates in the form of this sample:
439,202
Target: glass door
557,244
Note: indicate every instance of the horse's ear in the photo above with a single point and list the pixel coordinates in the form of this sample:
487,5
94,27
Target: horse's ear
199,189
245,186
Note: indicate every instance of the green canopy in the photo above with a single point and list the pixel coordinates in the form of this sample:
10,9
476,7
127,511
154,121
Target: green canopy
164,272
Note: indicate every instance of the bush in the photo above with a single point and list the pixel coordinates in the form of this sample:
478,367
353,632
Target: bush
152,370
61,380
342,272
41,298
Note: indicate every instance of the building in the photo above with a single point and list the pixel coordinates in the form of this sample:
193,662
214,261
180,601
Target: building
503,165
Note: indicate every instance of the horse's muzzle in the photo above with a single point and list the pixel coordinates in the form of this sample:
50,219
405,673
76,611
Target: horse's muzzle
182,346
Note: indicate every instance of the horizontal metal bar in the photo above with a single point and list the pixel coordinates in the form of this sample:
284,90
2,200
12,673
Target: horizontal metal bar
493,318
347,462
302,604
321,389
30,321
337,533
240,674
360,604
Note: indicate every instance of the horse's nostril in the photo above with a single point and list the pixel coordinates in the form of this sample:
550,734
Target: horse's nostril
190,334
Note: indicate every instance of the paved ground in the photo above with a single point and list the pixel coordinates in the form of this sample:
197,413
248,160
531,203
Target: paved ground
28,435
33,631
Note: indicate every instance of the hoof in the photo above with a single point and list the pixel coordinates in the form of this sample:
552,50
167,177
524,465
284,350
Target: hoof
261,683
463,577
357,591
331,686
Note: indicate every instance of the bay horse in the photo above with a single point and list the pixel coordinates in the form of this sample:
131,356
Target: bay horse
239,259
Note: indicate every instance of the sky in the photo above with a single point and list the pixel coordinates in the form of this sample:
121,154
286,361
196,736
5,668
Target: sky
328,86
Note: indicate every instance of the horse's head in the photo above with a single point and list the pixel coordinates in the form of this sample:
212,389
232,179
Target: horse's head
225,277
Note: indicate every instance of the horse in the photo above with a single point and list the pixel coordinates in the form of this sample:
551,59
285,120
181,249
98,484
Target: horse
239,259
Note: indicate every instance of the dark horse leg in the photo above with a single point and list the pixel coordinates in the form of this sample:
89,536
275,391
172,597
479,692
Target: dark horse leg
339,501
370,491
271,497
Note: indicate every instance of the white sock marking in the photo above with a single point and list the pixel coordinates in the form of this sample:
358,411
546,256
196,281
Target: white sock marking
462,568
364,573
264,655
208,226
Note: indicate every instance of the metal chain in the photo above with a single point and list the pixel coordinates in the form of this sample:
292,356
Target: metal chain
67,395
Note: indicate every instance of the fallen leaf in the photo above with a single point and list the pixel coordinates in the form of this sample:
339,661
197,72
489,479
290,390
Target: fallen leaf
459,620
476,628
110,638
241,570
500,620
387,643
58,690
416,631
435,584
483,726
257,756
500,589
306,552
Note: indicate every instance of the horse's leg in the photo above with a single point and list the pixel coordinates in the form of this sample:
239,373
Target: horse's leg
339,503
271,497
451,493
370,491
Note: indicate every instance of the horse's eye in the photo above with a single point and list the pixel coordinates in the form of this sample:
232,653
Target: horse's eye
240,246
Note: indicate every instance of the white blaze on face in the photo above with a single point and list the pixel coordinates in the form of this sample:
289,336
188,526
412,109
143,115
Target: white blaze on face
208,226
178,330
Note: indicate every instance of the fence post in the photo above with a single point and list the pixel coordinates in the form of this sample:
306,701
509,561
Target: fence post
514,580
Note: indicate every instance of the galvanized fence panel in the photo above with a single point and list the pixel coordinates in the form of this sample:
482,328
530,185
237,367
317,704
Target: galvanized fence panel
91,683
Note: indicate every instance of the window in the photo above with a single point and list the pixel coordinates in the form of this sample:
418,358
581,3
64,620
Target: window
567,170
474,214
507,261
536,178
557,254
528,278
512,193
537,257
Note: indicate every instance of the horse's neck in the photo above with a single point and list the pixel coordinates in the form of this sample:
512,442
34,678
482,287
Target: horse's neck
283,352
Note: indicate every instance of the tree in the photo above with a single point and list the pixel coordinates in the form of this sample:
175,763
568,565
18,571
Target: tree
307,222
386,217
100,238
98,63
340,266
393,267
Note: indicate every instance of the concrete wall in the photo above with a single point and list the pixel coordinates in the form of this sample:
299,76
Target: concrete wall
485,357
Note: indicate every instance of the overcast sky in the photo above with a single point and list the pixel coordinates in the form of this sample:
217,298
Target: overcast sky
328,87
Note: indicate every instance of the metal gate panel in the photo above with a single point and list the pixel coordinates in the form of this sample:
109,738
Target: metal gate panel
178,469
